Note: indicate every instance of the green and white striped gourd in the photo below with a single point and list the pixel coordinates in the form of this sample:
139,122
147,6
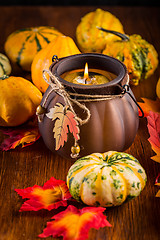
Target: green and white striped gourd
5,66
107,179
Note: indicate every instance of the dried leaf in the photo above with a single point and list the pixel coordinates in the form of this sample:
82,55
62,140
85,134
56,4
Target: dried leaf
74,224
149,105
154,131
53,194
23,135
64,120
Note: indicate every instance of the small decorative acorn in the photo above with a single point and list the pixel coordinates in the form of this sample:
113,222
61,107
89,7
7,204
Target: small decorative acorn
75,150
39,112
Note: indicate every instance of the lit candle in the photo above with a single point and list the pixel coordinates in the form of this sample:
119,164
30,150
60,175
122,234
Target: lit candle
85,77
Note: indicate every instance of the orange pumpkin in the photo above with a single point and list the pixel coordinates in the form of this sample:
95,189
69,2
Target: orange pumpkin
62,46
22,45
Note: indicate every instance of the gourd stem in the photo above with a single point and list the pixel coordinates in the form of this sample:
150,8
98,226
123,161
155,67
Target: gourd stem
123,36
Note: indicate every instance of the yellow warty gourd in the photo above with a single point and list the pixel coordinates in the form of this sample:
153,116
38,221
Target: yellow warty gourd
89,38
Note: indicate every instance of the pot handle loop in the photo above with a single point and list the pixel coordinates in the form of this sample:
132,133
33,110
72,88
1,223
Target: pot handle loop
55,58
126,90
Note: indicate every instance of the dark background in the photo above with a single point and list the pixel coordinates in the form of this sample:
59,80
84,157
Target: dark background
82,2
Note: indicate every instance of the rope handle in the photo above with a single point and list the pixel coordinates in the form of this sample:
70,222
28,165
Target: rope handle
60,89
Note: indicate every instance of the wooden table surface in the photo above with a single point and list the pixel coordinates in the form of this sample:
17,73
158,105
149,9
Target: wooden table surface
138,219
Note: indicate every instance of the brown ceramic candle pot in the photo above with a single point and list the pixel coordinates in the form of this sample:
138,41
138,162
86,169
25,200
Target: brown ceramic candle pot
113,123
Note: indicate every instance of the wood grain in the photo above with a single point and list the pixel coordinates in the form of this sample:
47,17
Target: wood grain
20,168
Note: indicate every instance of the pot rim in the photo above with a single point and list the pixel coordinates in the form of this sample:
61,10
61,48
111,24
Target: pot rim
78,61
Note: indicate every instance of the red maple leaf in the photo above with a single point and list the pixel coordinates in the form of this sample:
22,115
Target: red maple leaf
154,131
53,194
74,224
64,120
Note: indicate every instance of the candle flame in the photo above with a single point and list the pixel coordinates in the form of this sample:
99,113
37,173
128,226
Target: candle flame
86,71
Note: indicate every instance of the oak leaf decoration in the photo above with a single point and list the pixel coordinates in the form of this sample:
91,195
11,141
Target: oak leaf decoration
64,121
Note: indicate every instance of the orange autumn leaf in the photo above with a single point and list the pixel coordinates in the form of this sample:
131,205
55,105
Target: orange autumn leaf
158,193
149,105
154,131
23,135
64,120
74,224
157,183
53,194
